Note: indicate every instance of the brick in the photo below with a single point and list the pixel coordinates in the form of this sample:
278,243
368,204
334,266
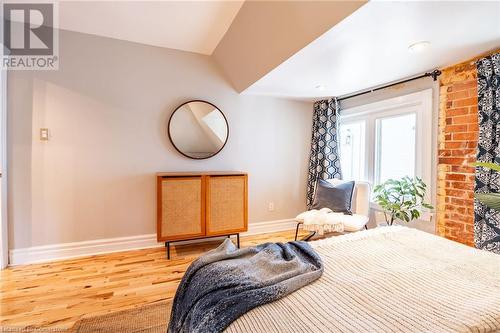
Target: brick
458,95
463,153
470,178
473,143
457,111
465,102
466,119
465,136
456,193
460,218
473,128
462,202
463,169
456,128
444,153
455,145
451,161
455,177
464,85
454,225
457,209
461,186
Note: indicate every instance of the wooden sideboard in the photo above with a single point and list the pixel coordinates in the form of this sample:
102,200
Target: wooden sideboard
194,205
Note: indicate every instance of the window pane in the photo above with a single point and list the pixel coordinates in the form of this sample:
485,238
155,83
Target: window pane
395,147
352,150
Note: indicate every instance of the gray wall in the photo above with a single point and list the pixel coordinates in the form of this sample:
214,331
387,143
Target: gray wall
107,108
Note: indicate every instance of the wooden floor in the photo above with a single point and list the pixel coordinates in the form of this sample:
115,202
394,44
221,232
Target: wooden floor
58,294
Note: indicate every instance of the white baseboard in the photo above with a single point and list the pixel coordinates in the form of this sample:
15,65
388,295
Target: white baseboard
51,252
269,226
37,254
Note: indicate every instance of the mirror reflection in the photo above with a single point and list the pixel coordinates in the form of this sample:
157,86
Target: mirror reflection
198,129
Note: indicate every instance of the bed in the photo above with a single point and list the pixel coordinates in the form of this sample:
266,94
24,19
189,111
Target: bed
389,279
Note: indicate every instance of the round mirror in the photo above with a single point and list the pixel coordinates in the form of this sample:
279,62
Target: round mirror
198,129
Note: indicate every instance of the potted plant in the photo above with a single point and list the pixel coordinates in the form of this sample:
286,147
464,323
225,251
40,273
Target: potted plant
492,200
401,199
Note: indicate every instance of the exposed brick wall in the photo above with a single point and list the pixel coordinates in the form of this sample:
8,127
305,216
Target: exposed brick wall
458,134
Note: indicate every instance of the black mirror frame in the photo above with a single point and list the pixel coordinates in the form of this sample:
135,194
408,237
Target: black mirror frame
172,141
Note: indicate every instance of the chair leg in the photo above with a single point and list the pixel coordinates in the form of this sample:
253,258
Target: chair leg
311,235
297,231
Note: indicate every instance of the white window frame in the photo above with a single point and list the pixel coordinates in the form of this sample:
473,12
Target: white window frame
419,103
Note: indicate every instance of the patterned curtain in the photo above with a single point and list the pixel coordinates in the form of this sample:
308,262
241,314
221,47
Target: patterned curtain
487,221
324,160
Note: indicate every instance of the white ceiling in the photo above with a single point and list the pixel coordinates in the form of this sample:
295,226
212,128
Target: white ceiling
370,47
195,26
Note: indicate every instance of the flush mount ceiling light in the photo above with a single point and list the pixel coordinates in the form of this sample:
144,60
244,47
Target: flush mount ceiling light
419,46
321,87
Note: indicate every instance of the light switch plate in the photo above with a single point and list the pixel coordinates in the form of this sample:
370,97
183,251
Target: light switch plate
44,134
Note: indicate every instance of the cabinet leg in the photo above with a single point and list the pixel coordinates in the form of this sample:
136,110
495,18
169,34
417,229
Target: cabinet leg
238,240
167,245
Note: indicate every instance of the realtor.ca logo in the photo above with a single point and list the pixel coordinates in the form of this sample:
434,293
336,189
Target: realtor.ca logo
29,36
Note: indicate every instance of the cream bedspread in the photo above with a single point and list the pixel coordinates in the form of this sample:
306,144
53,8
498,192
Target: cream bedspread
389,279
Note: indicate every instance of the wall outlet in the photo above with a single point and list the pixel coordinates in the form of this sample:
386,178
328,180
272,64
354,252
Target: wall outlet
44,134
270,207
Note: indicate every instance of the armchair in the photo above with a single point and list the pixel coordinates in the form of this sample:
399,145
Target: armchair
360,207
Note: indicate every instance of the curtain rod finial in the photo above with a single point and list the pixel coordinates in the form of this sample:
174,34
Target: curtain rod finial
434,74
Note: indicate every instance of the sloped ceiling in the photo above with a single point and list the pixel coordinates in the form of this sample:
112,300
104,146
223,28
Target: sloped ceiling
195,26
266,33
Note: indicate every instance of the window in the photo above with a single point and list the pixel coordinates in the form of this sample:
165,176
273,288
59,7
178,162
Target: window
352,147
395,147
388,139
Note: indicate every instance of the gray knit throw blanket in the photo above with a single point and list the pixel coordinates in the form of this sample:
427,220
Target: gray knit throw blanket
225,283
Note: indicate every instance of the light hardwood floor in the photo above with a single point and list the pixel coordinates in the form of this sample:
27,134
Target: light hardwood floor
56,295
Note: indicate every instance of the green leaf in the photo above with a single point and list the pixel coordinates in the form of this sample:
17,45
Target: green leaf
492,200
402,198
492,166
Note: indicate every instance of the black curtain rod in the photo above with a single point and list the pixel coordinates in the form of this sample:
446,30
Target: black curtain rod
434,74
